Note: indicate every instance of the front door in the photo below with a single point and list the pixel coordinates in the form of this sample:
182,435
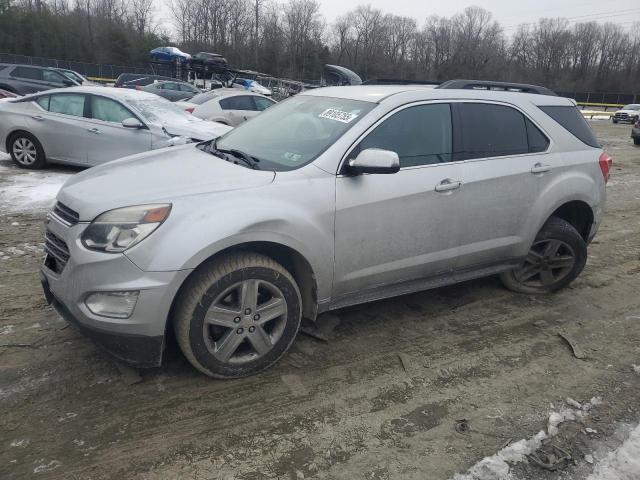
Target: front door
108,139
396,228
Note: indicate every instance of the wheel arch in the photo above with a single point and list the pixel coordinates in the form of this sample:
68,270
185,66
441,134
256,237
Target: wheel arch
288,257
579,214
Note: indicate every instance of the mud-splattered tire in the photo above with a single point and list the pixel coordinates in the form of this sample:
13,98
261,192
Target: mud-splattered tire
237,315
556,258
26,151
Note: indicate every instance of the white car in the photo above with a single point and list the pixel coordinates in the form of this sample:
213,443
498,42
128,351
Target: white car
629,113
227,106
87,126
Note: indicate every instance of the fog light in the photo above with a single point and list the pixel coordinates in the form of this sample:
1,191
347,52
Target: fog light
112,304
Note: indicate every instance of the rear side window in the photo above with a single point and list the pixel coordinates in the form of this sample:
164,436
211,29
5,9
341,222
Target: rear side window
573,121
240,102
67,104
27,72
201,98
491,131
538,142
43,102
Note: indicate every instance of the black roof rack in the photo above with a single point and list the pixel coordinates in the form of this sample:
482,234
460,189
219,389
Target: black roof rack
499,86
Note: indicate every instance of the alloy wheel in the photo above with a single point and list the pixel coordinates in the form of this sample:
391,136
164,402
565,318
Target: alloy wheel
24,151
245,321
547,263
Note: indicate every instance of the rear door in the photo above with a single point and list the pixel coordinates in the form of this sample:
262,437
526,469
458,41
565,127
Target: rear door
61,126
108,139
28,80
504,170
238,108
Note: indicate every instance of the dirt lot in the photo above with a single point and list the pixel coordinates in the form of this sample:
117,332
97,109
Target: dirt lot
380,400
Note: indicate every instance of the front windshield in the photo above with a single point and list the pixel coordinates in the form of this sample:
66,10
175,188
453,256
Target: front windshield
73,76
294,132
631,107
160,110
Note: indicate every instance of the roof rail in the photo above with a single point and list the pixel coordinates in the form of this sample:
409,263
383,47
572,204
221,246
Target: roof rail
499,86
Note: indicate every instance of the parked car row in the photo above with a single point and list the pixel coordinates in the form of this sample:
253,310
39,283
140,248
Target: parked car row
88,126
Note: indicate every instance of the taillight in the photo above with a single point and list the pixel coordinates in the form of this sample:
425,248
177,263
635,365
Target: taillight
190,109
138,87
605,165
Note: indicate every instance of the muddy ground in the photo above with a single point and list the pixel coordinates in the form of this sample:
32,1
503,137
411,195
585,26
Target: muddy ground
380,400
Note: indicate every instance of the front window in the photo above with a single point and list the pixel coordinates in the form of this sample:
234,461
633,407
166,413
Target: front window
159,110
296,131
108,110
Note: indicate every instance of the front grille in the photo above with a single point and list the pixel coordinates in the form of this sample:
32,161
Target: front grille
66,214
621,115
57,252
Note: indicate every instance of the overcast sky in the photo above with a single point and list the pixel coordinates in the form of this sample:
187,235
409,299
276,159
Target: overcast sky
507,12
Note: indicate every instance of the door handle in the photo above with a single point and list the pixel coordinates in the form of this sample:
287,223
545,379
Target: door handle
447,185
93,130
37,117
540,168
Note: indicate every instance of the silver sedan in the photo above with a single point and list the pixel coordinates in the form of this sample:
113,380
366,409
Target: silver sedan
86,126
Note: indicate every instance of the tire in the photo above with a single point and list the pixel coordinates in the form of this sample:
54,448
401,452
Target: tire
234,341
614,121
26,151
556,258
636,140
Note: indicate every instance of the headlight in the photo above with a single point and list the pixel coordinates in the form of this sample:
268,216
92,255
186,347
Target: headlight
116,230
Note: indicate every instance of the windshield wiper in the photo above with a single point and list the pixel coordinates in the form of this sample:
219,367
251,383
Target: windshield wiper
250,161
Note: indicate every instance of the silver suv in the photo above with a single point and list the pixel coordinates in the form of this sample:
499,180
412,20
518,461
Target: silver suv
335,197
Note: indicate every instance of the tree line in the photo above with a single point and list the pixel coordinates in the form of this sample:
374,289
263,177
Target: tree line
293,40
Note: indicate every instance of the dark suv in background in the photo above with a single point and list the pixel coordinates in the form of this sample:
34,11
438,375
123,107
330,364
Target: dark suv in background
208,62
24,79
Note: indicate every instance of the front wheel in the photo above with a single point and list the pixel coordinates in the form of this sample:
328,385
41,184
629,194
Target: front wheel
238,315
26,151
556,258
636,140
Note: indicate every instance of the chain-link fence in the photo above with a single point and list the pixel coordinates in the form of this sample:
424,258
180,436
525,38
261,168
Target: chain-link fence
97,70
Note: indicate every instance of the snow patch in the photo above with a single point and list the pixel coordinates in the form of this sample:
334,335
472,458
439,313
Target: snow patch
622,463
496,467
31,191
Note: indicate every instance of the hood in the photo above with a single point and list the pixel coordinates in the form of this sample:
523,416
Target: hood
197,129
629,112
156,176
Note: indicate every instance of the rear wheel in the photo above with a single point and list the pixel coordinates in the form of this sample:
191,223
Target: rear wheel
636,140
26,151
238,315
555,259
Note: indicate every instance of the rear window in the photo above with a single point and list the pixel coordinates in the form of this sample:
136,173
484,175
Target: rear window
573,121
201,98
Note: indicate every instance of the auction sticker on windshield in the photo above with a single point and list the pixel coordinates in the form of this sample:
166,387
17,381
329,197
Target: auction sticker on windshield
338,115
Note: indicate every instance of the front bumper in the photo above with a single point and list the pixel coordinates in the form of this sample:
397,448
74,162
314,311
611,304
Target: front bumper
139,339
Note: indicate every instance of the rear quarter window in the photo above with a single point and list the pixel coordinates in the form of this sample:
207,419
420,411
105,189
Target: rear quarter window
572,120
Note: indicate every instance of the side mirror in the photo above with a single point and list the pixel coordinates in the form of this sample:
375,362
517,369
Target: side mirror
375,160
132,123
